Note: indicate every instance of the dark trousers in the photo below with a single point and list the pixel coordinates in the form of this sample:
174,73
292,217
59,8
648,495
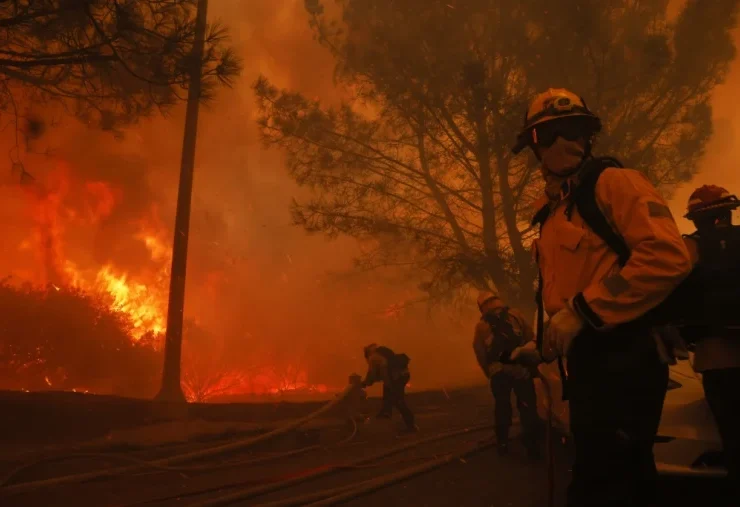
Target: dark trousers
617,387
394,395
722,390
502,384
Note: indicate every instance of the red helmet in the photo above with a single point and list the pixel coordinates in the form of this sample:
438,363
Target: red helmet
710,198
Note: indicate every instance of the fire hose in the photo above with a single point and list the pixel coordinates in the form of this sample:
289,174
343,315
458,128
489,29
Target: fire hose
191,468
283,479
166,462
237,496
349,492
550,447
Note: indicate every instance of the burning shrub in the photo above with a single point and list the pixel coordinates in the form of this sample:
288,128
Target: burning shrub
61,338
214,370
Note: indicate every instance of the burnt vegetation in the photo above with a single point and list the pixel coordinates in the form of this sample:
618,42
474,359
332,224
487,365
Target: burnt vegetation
418,161
61,338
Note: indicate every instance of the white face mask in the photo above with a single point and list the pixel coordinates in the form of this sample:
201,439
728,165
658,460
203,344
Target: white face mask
562,157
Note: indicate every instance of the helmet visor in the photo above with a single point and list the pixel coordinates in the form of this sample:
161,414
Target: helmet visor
570,128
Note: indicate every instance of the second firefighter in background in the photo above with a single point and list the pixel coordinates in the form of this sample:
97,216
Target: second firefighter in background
501,330
393,370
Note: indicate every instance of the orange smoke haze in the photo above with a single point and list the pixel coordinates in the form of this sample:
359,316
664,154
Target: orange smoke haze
98,215
273,316
721,163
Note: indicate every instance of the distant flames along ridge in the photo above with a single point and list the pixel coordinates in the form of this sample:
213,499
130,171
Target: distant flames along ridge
93,325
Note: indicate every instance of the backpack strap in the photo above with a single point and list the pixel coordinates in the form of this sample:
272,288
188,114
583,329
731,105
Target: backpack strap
497,321
584,199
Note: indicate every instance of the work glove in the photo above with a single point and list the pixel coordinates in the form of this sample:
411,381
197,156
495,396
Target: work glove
527,355
561,329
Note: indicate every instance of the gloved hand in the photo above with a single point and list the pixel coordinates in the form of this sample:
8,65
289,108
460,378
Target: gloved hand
527,354
561,329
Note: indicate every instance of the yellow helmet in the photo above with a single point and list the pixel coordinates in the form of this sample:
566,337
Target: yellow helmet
484,297
551,105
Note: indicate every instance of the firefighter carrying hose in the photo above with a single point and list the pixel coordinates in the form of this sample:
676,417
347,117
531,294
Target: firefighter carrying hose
393,370
609,251
500,331
715,248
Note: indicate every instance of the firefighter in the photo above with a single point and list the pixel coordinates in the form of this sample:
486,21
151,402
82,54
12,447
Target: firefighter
393,370
498,333
609,251
715,248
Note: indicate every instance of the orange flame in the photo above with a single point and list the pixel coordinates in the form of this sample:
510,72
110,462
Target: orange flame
62,206
143,307
59,205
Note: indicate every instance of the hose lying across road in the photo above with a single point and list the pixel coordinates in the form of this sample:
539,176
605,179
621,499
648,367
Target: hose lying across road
345,493
163,468
165,463
237,496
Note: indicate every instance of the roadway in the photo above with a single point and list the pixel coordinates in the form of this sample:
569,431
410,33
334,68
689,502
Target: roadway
371,461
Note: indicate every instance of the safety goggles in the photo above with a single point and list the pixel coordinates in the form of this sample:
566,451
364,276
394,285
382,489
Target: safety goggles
563,112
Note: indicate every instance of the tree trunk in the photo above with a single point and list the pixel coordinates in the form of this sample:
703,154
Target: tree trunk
522,257
494,264
171,390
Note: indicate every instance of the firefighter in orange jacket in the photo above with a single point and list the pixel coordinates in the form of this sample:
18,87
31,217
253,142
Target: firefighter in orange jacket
616,381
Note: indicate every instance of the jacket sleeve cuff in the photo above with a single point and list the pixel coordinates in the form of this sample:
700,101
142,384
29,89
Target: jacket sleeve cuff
579,305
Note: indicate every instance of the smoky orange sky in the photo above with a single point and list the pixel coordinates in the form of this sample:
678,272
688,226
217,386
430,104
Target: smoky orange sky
263,288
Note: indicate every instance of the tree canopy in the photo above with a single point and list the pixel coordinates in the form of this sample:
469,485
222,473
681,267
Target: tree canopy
112,61
419,160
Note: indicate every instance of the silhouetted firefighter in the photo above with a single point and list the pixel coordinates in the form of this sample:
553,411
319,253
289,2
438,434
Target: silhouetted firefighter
500,331
393,370
715,249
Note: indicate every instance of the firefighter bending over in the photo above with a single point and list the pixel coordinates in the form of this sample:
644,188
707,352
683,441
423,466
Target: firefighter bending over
393,370
500,331
715,247
609,251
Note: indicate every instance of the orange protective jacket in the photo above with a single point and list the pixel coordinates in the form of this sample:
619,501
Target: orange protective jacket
579,268
483,338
